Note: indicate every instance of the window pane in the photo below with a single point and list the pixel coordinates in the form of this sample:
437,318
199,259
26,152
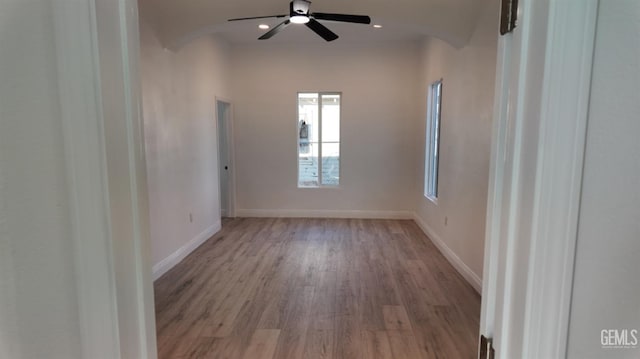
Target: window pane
330,118
308,166
433,140
318,139
330,164
308,136
308,117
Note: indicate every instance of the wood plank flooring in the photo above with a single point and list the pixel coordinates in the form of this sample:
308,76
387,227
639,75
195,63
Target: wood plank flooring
316,288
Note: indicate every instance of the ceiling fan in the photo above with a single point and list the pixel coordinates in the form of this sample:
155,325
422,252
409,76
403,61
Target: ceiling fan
299,14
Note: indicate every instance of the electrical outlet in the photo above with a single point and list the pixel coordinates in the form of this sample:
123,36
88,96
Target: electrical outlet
446,220
190,217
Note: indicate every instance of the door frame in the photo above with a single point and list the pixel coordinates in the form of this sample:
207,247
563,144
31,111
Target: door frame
535,177
231,195
97,45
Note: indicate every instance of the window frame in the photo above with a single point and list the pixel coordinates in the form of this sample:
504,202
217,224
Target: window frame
319,185
432,141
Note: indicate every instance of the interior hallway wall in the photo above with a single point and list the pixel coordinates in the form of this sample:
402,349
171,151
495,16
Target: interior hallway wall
179,91
458,218
38,298
377,148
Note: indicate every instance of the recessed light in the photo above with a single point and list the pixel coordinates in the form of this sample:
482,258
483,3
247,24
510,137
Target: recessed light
377,26
263,26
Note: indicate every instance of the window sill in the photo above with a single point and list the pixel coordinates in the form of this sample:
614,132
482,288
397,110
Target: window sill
434,200
319,187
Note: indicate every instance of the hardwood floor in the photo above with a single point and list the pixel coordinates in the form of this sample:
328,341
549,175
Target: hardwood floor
316,288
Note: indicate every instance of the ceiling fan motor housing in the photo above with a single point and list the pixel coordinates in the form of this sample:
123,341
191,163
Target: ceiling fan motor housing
300,7
299,14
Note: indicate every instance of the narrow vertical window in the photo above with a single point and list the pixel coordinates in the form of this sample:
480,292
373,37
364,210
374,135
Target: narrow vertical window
432,150
318,139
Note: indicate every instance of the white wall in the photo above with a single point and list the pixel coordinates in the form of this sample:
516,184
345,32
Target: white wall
179,90
377,143
607,280
38,303
465,139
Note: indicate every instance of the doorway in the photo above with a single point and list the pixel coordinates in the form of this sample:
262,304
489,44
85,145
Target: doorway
225,158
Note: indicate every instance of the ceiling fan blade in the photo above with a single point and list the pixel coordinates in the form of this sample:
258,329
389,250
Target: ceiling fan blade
269,34
257,17
321,30
358,19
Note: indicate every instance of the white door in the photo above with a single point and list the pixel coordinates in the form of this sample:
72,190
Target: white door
223,115
542,91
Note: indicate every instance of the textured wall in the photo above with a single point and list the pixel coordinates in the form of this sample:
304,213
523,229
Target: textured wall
377,124
465,139
179,90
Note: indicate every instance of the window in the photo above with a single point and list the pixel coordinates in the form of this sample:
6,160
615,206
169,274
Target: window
318,139
432,150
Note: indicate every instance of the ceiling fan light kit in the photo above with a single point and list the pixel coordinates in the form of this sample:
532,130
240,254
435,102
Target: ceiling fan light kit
299,19
299,14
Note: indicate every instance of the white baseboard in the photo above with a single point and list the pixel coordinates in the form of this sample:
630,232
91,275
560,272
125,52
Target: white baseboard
176,257
456,262
311,213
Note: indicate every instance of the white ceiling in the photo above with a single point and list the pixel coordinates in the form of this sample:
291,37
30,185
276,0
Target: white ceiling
178,21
